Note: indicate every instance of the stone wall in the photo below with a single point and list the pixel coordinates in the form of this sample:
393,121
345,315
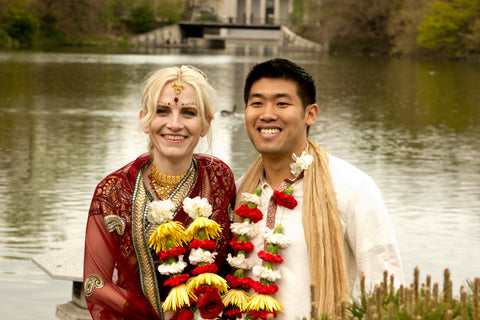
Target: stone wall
291,41
166,36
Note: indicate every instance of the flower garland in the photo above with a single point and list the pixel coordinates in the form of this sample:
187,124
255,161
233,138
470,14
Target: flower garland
168,241
261,304
206,286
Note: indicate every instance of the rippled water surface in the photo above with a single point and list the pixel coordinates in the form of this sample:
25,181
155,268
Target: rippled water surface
68,119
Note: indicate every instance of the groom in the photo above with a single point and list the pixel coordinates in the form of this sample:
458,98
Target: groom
340,227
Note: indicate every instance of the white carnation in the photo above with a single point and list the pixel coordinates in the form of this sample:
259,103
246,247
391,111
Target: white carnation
240,262
174,268
160,211
241,228
198,255
250,197
265,273
301,163
197,207
275,238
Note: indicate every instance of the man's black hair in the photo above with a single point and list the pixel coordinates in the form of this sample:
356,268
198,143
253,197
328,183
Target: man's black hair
283,69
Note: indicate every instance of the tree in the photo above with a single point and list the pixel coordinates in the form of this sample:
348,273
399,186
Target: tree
403,27
170,11
361,25
451,28
142,18
21,25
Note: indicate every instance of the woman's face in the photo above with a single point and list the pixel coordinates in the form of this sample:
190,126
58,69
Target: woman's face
177,126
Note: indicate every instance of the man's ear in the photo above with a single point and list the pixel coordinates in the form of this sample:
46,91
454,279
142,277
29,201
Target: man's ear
311,114
140,116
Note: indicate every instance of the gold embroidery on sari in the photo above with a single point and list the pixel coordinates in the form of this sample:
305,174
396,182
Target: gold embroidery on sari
114,222
148,279
91,282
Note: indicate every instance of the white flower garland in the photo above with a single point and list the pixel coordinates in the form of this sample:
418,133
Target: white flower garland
265,273
249,229
250,197
197,207
160,211
240,261
301,163
174,268
275,238
199,255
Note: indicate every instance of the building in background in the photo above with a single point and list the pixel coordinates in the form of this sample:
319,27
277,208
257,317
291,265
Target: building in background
250,11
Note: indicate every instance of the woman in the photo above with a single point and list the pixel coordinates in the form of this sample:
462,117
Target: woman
121,275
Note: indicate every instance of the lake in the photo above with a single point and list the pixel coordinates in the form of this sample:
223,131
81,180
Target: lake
67,119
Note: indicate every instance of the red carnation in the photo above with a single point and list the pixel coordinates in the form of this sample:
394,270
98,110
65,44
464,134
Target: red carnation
262,314
210,305
235,282
208,245
205,289
176,280
184,314
267,256
241,245
171,253
285,200
269,289
233,313
208,268
254,214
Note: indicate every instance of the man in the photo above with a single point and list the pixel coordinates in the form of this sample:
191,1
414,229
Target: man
340,226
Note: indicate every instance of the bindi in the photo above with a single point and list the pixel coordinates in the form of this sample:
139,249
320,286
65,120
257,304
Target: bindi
178,86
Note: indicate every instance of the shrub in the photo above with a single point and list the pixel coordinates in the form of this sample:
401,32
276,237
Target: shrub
417,301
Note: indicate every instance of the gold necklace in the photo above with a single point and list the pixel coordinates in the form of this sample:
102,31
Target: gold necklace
164,184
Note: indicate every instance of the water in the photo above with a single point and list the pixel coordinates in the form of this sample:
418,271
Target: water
68,119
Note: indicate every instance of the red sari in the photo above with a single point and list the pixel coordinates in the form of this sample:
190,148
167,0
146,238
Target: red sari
120,277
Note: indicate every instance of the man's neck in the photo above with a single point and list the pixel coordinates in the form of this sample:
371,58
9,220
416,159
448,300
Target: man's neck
277,170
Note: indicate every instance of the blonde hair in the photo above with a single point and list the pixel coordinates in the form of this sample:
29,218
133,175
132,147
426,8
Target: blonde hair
205,94
323,231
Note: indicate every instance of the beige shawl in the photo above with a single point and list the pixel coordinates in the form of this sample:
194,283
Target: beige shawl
323,231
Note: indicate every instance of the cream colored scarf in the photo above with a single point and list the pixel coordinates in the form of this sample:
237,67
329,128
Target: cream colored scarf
323,231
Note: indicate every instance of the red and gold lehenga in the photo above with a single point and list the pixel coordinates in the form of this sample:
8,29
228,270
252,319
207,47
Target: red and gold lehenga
121,280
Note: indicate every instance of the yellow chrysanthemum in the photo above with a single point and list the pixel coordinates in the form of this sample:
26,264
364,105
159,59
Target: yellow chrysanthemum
172,230
211,228
177,298
263,302
236,298
210,279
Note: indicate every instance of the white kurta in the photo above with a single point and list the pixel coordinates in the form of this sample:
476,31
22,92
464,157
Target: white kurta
370,243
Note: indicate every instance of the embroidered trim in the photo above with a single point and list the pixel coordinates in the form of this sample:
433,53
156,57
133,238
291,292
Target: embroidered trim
148,278
91,282
114,222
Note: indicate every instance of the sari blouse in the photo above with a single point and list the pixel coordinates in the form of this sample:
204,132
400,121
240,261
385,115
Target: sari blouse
120,276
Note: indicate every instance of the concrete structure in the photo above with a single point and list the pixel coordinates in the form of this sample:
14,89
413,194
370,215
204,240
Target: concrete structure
193,35
253,11
67,265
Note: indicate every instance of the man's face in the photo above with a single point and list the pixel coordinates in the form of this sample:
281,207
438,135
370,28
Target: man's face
275,119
